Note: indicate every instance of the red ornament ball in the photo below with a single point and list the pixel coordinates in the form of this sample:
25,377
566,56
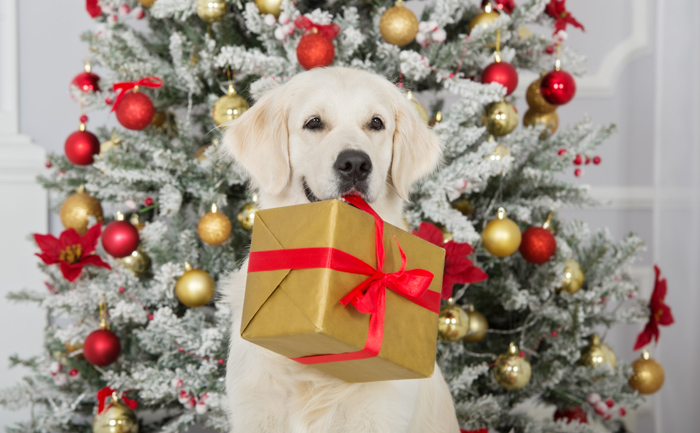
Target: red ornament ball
135,111
81,147
102,347
503,73
578,172
120,238
88,82
571,414
597,160
148,201
558,87
538,245
578,160
315,50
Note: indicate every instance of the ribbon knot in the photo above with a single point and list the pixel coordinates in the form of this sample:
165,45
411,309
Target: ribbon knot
123,87
105,393
328,30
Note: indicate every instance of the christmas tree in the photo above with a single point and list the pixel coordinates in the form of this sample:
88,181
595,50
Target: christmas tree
132,300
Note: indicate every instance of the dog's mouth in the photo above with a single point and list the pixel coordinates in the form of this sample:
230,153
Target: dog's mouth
313,198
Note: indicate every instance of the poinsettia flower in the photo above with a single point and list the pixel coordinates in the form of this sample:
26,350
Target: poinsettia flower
71,251
659,314
557,10
458,268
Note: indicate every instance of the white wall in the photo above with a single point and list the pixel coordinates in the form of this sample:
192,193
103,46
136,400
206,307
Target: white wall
640,80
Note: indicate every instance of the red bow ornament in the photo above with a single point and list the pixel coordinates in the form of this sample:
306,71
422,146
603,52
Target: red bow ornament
557,10
328,30
124,87
659,314
107,392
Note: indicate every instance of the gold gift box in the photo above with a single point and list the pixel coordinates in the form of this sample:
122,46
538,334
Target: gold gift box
297,313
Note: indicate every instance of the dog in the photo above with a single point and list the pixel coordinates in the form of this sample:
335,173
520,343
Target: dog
326,133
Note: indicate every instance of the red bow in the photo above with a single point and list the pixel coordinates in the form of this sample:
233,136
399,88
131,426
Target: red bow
93,8
557,10
124,87
328,30
659,314
369,296
105,393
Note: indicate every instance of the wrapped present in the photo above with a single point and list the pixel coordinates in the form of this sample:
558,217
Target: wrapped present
332,286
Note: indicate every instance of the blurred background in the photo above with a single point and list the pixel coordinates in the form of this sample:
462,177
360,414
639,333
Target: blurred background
644,67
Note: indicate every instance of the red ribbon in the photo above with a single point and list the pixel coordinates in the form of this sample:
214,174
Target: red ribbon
328,30
124,87
369,296
105,393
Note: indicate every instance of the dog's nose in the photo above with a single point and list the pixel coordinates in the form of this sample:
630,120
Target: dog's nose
353,165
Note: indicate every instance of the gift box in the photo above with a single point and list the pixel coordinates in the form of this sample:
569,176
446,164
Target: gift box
332,286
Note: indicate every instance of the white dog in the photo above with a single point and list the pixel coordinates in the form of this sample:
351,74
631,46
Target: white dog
324,134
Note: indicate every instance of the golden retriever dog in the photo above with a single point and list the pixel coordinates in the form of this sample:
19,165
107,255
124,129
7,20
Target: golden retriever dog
324,134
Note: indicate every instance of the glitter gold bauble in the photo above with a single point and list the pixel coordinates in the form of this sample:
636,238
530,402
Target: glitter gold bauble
501,236
422,112
117,418
573,277
112,143
597,353
463,205
648,375
77,208
549,120
229,107
483,19
512,371
138,262
211,10
499,152
272,7
478,325
195,287
214,227
398,25
147,3
246,217
453,323
500,118
534,98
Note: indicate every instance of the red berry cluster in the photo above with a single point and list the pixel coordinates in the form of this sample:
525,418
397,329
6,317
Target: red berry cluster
580,159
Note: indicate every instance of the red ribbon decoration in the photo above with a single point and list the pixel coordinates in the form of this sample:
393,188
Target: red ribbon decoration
369,296
328,30
105,393
124,87
93,8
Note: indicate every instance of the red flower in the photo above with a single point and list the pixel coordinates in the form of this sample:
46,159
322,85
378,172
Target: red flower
458,268
506,6
660,313
557,10
71,251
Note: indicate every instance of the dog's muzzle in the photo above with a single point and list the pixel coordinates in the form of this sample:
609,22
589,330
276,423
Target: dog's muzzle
353,168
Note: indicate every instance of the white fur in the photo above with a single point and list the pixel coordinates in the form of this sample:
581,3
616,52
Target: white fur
269,393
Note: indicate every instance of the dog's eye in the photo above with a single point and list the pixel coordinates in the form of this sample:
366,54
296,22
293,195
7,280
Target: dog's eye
314,123
376,124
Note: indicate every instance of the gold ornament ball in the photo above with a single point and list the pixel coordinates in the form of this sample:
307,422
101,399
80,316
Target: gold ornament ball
214,227
112,143
138,262
398,25
511,371
499,152
573,277
77,208
118,418
147,3
463,205
74,347
229,107
500,118
453,323
501,236
597,353
478,325
648,374
483,19
549,120
211,10
246,217
534,98
136,221
269,7
195,287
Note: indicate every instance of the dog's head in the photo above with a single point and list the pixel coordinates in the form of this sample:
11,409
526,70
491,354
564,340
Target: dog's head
331,132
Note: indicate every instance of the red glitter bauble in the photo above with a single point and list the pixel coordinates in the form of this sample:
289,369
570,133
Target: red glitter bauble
315,50
135,111
88,82
81,146
558,87
503,73
102,347
120,238
571,414
538,245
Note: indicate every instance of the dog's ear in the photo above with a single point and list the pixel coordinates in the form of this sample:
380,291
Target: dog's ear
259,142
417,150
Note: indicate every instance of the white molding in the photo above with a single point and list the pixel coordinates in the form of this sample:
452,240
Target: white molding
639,198
9,124
602,83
